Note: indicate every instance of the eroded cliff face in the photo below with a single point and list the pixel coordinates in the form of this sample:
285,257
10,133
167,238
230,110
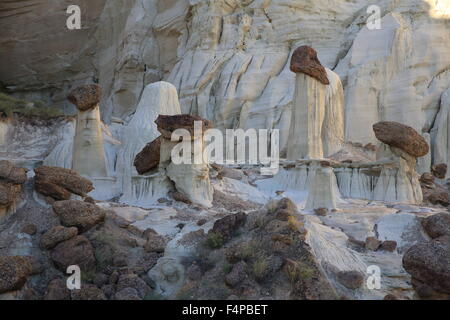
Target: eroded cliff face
229,58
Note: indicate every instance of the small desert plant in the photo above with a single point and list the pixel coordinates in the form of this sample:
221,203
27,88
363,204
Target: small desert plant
215,240
10,105
260,267
294,224
297,270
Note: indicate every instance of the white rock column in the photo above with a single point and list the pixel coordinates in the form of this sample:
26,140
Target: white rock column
88,152
160,98
323,190
88,157
317,120
308,114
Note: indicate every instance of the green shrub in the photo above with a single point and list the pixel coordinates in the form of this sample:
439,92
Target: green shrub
215,240
260,268
10,105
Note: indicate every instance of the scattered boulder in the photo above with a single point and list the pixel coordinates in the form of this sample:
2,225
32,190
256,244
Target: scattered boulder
388,245
127,294
57,290
56,235
226,226
9,193
88,292
372,243
155,242
350,279
76,251
437,225
237,274
131,280
12,174
168,124
439,170
429,263
427,179
14,271
85,97
305,60
401,136
80,214
148,158
58,183
30,229
321,212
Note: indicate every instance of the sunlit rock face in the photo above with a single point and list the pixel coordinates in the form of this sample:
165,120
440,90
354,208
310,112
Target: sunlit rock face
229,60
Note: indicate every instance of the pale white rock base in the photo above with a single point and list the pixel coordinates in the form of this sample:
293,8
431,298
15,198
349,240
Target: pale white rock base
323,191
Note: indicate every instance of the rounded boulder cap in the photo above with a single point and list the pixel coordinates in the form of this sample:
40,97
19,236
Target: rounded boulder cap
85,97
305,60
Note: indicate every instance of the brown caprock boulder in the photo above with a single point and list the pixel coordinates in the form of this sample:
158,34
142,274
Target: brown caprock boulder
401,136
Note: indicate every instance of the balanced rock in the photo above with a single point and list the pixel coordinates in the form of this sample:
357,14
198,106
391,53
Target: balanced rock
56,235
439,170
14,272
80,214
76,251
168,124
58,183
401,136
85,97
305,60
148,158
429,262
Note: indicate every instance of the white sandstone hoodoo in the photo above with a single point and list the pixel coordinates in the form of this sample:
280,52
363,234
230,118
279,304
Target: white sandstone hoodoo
317,124
88,152
399,181
323,191
191,179
158,98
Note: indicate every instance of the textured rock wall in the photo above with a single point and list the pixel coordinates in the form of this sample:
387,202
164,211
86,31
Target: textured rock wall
229,58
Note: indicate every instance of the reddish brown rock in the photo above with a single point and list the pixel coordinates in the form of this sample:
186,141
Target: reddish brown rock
57,290
305,60
388,245
401,136
427,179
168,124
350,279
56,235
76,251
439,170
429,262
227,226
148,158
50,181
85,97
80,214
372,243
14,272
10,173
437,225
51,190
9,193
